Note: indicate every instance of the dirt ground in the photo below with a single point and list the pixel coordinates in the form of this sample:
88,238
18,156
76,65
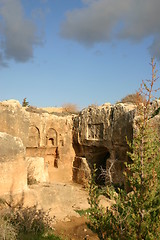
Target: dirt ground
74,229
63,199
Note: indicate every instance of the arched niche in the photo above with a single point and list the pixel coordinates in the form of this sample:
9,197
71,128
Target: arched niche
34,137
51,138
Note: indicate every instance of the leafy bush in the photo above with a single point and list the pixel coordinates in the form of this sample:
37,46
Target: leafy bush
134,214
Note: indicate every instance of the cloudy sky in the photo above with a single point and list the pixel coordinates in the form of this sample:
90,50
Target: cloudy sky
76,51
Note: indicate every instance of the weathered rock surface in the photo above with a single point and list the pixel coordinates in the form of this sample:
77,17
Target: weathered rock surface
50,137
14,119
100,136
81,171
62,199
64,147
36,170
44,135
13,168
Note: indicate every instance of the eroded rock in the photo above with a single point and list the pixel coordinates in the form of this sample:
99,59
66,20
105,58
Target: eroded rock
37,172
64,148
13,167
100,136
81,171
14,119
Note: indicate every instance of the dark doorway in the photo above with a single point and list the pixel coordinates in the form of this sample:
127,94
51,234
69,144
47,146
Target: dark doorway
100,160
97,156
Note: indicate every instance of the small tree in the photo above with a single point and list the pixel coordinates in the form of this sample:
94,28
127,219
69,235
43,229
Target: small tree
25,103
134,215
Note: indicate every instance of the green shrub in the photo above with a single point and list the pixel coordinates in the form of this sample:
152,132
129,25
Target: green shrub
134,214
39,237
25,103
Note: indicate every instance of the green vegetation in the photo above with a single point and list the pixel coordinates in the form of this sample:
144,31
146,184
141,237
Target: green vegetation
40,237
82,212
22,223
135,212
25,103
34,237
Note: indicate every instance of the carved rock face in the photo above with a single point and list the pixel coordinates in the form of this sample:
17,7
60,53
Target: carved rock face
50,137
65,146
100,136
45,136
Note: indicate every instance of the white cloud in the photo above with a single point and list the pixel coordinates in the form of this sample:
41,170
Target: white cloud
18,34
105,20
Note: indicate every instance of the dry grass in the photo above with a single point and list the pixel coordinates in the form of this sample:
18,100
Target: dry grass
7,230
134,98
70,108
17,221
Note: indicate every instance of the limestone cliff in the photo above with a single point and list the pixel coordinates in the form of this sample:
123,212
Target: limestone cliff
100,137
37,146
47,140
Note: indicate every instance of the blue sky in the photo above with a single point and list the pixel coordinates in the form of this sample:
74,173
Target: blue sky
83,52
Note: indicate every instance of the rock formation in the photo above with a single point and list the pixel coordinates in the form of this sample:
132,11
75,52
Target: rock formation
50,137
14,119
100,137
47,141
37,146
13,170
